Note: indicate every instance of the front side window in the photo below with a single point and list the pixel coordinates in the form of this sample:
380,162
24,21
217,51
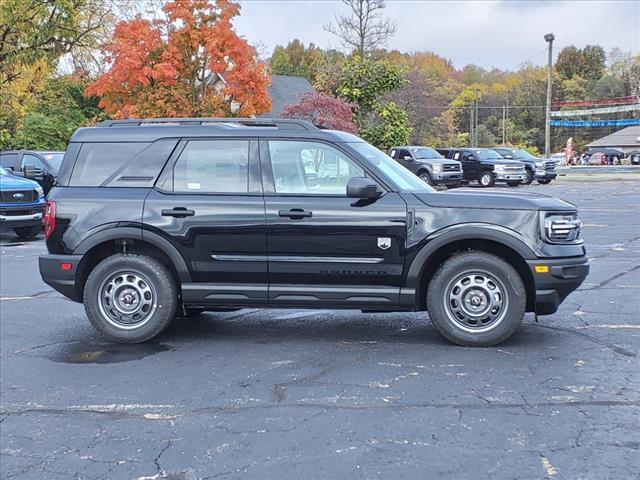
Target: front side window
310,168
213,166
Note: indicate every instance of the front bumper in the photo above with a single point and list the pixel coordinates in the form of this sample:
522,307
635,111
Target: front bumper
447,178
545,175
509,177
21,216
562,277
62,280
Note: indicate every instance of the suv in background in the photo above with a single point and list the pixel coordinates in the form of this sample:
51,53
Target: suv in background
486,166
429,165
535,168
151,218
40,166
21,205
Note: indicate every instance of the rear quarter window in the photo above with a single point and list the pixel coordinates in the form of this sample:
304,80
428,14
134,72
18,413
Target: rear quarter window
135,164
9,160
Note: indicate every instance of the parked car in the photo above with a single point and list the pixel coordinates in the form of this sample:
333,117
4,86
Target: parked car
560,158
36,165
543,171
486,166
429,165
232,213
21,205
596,158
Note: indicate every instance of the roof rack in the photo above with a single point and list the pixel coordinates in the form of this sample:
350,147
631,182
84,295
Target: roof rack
280,123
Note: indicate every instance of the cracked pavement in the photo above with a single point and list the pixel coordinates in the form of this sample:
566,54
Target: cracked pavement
331,394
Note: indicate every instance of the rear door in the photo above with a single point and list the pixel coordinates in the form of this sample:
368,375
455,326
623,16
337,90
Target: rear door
324,248
208,203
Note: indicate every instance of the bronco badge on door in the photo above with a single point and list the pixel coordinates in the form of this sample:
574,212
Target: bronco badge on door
384,242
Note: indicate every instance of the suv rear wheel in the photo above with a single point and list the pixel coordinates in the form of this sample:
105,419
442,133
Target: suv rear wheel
130,298
476,299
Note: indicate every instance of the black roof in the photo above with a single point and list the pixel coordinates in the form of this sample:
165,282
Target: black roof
148,130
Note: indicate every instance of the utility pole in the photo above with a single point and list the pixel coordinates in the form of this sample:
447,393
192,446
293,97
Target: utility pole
549,37
475,128
471,126
504,121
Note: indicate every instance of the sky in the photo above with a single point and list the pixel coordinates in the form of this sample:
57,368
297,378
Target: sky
502,34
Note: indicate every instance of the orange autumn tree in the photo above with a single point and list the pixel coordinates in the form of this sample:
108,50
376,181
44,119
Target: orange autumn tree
190,64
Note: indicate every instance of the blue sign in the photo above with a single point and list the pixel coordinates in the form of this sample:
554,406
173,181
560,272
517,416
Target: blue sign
596,123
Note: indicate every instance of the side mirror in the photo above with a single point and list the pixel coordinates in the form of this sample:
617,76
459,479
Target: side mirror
363,188
407,157
33,172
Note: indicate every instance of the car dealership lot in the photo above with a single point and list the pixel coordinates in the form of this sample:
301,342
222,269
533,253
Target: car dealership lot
331,394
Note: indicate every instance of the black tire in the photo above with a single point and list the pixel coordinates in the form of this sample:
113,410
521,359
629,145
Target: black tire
513,184
485,179
493,269
545,181
528,177
155,277
28,233
454,185
425,177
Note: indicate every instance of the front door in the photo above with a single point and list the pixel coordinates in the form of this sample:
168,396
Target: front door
469,166
209,205
326,249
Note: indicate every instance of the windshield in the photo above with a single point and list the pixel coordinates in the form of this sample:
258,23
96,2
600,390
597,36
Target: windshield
488,155
402,178
425,152
519,153
54,159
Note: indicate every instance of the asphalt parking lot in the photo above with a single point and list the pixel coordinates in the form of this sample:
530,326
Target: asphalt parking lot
331,394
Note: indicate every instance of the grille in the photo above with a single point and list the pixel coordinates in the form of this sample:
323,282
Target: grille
550,166
514,168
18,196
451,167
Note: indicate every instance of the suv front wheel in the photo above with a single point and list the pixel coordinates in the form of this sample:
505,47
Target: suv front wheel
130,298
486,179
476,299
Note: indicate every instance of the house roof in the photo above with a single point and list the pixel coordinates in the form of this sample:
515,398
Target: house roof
286,90
627,137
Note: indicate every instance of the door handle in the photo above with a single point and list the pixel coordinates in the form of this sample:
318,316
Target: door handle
178,212
295,213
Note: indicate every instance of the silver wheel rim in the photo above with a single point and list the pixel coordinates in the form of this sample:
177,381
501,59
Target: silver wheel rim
476,301
127,299
485,179
527,177
425,178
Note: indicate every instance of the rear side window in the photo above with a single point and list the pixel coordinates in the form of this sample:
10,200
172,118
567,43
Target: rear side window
213,166
121,164
8,160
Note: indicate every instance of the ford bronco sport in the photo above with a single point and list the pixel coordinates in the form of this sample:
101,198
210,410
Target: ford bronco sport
154,218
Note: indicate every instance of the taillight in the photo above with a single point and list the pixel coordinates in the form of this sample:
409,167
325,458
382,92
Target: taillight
49,219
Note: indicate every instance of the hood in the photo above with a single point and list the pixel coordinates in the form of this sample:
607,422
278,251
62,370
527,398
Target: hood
494,200
502,161
13,182
436,161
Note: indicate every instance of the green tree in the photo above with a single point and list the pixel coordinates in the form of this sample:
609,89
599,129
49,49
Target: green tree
390,128
575,88
297,60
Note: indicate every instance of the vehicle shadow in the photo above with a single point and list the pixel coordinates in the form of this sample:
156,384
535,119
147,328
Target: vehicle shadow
339,327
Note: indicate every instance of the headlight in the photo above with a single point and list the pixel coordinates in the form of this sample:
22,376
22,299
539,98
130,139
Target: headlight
539,164
40,191
437,168
499,168
560,227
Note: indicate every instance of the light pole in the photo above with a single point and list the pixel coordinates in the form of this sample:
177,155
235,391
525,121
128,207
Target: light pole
549,37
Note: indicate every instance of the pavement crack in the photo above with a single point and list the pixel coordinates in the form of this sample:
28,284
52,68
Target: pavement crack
616,348
607,281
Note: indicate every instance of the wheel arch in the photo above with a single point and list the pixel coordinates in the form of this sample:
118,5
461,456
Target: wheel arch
115,240
490,240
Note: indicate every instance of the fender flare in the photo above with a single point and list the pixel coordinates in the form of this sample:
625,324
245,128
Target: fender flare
132,233
466,231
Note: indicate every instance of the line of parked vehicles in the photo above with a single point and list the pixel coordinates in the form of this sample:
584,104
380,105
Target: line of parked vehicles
26,176
452,167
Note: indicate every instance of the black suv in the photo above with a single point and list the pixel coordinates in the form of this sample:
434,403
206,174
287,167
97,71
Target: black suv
535,168
429,165
35,165
486,166
154,218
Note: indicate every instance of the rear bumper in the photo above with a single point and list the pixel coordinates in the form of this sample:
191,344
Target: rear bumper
64,281
563,277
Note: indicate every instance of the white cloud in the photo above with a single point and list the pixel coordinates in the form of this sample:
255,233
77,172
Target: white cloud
499,34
